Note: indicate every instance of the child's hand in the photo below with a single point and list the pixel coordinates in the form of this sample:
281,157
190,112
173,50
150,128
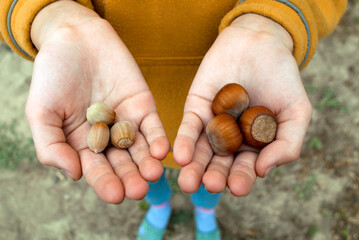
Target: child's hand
81,62
256,53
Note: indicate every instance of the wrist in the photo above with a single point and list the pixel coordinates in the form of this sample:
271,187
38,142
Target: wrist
60,15
258,24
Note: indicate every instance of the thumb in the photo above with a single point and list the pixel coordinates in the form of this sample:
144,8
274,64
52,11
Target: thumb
292,126
50,141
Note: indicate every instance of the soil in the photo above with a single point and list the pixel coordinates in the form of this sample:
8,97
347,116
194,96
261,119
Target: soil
315,197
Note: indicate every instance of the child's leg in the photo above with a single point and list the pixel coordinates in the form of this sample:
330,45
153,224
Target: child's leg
155,222
205,214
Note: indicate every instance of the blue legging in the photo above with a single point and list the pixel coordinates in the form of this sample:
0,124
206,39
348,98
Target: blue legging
160,192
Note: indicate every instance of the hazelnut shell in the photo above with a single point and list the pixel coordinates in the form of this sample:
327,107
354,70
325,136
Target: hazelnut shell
100,112
98,137
224,134
258,125
122,134
232,99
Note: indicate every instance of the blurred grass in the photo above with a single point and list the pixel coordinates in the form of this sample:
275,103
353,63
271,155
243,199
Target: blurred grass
316,143
313,231
345,233
181,216
305,188
329,100
143,205
14,147
172,176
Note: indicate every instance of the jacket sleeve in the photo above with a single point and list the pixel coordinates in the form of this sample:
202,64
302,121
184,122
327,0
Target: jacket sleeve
305,20
16,17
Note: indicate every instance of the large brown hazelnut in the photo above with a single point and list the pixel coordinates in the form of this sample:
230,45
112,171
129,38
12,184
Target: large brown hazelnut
258,125
232,99
224,134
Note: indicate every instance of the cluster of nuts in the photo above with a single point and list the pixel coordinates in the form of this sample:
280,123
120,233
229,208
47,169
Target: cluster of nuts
235,121
101,116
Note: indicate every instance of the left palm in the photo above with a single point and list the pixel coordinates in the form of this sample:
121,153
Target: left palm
269,73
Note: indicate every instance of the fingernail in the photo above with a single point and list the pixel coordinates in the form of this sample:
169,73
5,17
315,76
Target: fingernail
269,170
67,173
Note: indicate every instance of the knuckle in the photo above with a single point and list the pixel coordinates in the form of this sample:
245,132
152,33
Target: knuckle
35,114
292,155
43,159
221,167
309,111
245,169
204,150
128,173
29,112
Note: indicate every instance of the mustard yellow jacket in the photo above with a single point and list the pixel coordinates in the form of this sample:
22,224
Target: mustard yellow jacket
169,38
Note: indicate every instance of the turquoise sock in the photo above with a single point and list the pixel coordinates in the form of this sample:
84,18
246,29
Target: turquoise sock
206,224
155,222
158,215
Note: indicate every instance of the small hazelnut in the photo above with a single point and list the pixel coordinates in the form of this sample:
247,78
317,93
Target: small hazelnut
98,137
100,112
122,134
258,125
224,134
232,99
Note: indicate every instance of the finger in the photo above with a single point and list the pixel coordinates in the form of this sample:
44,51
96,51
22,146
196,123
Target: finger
190,176
242,175
135,186
150,168
152,129
101,177
50,141
187,136
215,178
292,126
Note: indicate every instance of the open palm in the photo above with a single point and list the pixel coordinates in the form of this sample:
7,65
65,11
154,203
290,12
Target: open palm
265,67
74,70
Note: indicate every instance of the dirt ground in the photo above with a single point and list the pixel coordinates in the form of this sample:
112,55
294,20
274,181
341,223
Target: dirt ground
316,197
